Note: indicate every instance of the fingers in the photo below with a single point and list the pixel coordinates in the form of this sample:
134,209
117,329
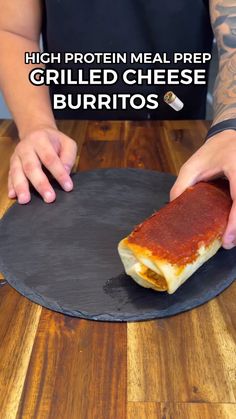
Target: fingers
33,171
52,162
229,238
187,177
68,153
49,148
18,181
11,190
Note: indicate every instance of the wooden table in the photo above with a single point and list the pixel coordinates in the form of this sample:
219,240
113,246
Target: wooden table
53,366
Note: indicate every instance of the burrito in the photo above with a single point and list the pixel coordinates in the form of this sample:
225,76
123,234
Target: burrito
166,249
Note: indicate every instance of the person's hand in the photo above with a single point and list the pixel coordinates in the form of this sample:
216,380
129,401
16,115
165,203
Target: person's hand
215,158
46,147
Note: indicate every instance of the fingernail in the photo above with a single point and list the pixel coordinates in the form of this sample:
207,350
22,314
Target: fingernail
22,198
68,186
48,196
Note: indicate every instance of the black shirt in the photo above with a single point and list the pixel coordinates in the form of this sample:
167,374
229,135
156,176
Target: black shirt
130,26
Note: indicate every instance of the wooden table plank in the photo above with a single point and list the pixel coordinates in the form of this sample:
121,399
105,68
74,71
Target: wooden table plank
77,369
181,140
8,129
18,325
198,411
181,411
142,146
100,154
147,410
103,147
228,303
104,131
188,357
7,146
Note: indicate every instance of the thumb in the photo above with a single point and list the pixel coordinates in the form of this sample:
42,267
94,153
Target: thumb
229,238
68,152
187,177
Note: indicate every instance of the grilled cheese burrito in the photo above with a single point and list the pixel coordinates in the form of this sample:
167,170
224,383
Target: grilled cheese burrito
167,248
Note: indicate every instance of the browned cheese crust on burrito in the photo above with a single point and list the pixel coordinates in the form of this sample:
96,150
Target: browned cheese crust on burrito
167,248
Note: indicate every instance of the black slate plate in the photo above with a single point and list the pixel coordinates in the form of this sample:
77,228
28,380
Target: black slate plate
64,255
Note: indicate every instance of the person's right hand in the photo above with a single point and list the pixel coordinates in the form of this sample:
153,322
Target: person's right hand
46,147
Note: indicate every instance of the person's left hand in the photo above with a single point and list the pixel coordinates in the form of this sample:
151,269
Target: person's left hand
215,158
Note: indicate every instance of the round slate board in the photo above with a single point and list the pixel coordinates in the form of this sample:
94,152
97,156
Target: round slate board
64,255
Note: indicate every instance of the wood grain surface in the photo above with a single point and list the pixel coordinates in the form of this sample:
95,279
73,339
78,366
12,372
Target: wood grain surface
54,366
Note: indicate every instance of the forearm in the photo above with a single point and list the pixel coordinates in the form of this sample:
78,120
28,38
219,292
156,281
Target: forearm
225,90
223,17
30,105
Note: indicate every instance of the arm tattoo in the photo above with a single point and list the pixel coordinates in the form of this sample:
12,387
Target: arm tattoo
223,19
